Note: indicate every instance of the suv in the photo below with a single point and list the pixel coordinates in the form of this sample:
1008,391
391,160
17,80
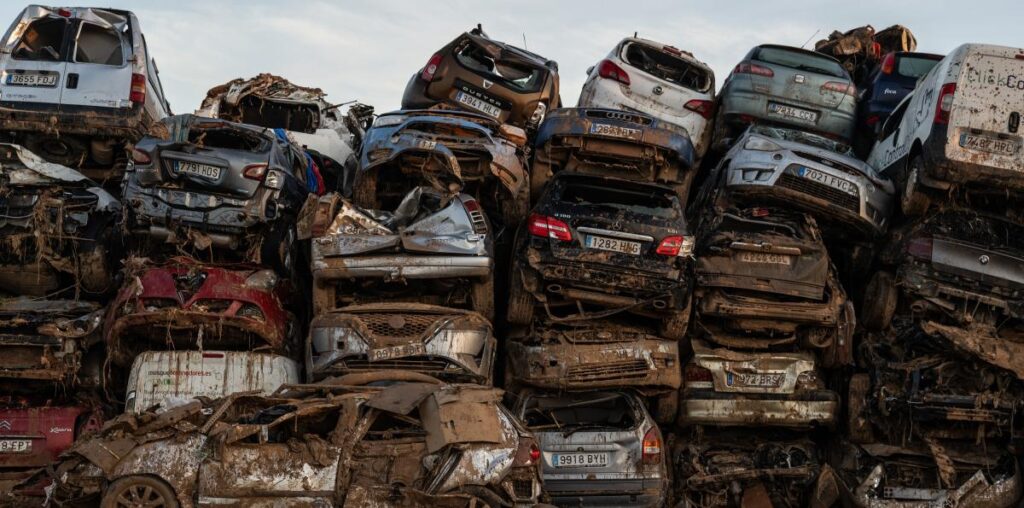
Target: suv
658,80
91,71
597,246
477,73
959,128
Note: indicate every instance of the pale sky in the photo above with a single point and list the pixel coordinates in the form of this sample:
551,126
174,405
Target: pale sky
368,49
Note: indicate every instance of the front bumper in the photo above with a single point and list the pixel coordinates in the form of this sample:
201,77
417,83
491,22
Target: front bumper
976,491
720,303
802,409
736,103
647,363
401,266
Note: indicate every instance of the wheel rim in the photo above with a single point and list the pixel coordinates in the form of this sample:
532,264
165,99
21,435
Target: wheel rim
140,496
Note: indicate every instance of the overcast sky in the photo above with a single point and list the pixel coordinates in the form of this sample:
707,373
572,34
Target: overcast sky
367,49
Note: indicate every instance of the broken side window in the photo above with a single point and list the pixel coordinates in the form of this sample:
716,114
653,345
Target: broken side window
230,139
99,45
42,40
581,411
515,75
389,426
666,66
293,116
802,137
633,197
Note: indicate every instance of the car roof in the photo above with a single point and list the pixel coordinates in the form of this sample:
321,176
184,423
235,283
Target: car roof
797,50
522,53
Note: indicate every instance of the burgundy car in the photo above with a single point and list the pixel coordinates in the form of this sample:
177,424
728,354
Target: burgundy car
193,305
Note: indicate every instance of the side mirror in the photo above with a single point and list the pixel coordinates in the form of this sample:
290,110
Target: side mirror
590,69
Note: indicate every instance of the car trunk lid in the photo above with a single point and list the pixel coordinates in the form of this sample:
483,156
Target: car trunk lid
740,372
985,121
663,79
35,436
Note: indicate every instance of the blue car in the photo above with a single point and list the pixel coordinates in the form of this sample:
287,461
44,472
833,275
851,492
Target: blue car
885,87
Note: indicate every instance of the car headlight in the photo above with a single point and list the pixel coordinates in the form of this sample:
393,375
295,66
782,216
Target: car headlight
387,121
762,145
464,341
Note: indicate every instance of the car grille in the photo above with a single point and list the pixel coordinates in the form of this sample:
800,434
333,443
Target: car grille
609,370
422,365
821,191
412,325
522,488
601,336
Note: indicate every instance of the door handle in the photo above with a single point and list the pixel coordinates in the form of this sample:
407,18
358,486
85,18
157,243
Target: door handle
72,80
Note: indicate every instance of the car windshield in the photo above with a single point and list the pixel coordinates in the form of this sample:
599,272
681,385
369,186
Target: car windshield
802,60
666,66
805,138
98,45
580,412
42,40
231,139
914,67
621,195
512,74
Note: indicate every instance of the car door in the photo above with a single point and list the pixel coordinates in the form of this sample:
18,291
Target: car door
34,60
99,73
890,146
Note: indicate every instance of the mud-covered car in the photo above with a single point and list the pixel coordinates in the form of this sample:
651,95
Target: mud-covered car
45,341
450,344
480,74
56,228
404,148
597,448
753,388
860,49
215,183
434,246
598,246
765,281
730,468
382,439
184,304
607,142
807,171
599,354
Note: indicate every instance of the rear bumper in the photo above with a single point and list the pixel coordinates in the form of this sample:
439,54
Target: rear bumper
720,303
601,492
604,286
739,103
940,170
802,409
649,363
401,266
131,123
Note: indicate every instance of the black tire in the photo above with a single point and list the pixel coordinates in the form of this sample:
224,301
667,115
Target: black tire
858,426
139,490
364,191
879,304
913,200
64,150
521,303
482,296
280,247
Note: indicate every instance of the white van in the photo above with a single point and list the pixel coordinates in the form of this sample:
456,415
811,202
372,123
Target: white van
169,378
961,127
87,68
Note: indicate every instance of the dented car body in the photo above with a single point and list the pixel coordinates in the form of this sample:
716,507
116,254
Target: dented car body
45,341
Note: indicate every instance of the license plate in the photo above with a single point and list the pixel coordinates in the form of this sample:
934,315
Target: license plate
791,112
613,244
617,131
579,459
754,380
478,104
990,145
15,445
32,78
827,179
387,353
766,258
201,170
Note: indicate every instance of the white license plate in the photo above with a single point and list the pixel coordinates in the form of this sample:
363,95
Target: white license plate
579,459
32,78
791,112
827,179
754,380
617,131
613,244
201,170
387,353
766,258
15,445
990,145
478,104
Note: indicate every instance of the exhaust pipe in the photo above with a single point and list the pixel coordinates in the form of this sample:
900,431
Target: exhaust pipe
555,288
659,304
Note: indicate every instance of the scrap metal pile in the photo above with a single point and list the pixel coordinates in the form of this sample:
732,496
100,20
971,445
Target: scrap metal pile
792,290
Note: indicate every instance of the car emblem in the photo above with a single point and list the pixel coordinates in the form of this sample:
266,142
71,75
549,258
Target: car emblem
658,90
488,84
983,259
799,78
396,322
5,425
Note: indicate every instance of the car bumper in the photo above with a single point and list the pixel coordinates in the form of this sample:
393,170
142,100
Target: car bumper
605,286
604,492
647,363
161,213
38,358
976,491
802,409
940,170
720,303
141,325
132,123
401,266
736,104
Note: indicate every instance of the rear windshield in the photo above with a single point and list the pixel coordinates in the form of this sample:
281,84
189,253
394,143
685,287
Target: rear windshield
42,40
512,74
298,117
228,138
660,64
99,45
801,60
914,67
802,137
581,412
769,222
636,198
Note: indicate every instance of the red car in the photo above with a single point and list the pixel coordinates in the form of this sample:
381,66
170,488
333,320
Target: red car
186,304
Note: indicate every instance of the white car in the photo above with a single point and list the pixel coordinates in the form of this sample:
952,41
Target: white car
656,79
959,129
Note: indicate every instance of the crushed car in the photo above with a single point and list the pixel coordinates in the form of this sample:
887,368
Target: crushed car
380,439
404,149
79,87
434,247
659,80
480,74
57,229
883,90
46,341
454,345
214,183
861,49
185,304
606,142
598,246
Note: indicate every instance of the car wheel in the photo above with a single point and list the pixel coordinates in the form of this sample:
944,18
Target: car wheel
880,299
858,426
364,192
138,491
666,407
674,325
914,201
482,297
64,150
521,302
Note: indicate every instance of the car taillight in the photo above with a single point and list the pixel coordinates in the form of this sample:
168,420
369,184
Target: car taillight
652,446
476,216
549,227
431,68
841,87
255,171
528,453
945,104
675,245
889,64
607,69
696,374
704,108
138,91
872,120
213,355
749,68
64,13
920,248
140,157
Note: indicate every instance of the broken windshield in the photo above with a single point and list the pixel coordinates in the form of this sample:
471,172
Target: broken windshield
43,40
663,65
805,138
621,195
99,45
580,412
515,75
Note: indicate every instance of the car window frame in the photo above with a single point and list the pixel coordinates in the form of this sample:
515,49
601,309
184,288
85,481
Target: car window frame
125,46
61,51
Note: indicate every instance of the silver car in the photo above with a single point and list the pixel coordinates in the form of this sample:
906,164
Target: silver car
811,172
598,448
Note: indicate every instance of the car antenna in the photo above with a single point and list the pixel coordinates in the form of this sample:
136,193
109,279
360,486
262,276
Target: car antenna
809,38
524,41
340,104
634,35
